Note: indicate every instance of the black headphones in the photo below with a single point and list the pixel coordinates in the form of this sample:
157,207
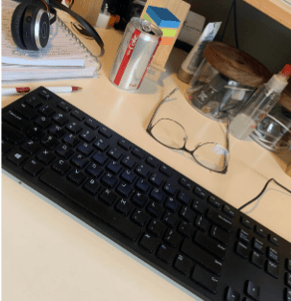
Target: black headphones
30,24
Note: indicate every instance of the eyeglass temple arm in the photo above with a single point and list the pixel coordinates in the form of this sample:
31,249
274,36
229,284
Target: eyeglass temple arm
159,105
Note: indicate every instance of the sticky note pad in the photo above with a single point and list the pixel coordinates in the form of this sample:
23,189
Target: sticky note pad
163,17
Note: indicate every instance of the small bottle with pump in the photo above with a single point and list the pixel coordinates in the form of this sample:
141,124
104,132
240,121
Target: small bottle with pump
103,18
259,105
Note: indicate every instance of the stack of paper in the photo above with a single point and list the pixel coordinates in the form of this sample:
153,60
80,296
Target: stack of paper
63,57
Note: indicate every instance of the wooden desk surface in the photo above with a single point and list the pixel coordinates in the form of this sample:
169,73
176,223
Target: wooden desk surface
47,254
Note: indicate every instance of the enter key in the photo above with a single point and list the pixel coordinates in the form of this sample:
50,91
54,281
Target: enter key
210,245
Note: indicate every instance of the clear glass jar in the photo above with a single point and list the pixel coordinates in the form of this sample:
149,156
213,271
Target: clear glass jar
215,95
274,131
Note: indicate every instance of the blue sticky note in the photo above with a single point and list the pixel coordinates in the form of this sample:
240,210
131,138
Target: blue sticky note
163,17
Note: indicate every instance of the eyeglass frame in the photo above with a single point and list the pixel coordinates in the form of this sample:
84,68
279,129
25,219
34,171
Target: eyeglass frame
183,148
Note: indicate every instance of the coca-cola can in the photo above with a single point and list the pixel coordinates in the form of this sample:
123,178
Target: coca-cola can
135,53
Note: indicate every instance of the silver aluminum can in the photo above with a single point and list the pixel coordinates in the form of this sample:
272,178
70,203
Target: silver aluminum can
136,50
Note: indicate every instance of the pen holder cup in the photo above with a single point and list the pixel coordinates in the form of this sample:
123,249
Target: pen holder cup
224,81
274,131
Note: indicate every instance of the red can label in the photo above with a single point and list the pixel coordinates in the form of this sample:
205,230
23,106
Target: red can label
127,56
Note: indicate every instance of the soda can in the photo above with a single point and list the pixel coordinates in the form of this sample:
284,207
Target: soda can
135,53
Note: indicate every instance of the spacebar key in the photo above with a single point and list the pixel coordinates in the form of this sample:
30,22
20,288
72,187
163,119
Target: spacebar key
83,199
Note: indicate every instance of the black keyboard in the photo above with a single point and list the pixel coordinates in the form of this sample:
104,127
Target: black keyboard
159,215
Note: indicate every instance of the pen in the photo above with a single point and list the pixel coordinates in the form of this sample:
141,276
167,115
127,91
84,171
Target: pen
54,89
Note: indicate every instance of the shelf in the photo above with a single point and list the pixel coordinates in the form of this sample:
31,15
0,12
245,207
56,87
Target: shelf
276,9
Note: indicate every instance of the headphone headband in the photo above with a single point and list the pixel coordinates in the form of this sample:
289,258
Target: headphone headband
82,21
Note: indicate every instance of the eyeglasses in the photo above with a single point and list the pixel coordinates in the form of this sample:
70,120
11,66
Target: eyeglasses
173,135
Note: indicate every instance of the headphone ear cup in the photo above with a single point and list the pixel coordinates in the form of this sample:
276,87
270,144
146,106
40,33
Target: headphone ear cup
17,25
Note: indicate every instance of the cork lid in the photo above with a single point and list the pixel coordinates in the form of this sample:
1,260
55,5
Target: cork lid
285,99
236,64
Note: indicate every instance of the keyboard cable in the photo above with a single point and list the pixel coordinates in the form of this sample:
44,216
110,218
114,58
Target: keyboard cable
254,199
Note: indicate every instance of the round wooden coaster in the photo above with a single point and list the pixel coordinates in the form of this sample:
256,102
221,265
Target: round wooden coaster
236,64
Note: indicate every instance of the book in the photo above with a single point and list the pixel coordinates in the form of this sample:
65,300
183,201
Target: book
64,57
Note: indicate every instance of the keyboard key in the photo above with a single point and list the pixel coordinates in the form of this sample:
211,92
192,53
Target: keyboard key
109,180
155,209
45,94
105,132
148,242
187,213
61,166
114,167
25,111
45,157
71,140
157,195
128,161
166,254
139,217
137,152
183,264
205,279
185,229
172,238
200,192
15,119
77,177
242,250
43,122
6,147
219,235
92,186
11,134
214,201
60,119
115,153
261,231
253,290
209,244
186,183
228,210
274,240
273,269
93,124
287,294
273,254
247,222
288,265
33,167
202,223
142,170
30,147
113,220
74,127
64,151
108,197
124,189
124,144
153,162
17,157
232,295
244,236
88,136
172,204
142,185
198,255
49,142
86,149
184,198
170,188
46,110
128,176
124,207
79,161
166,170
64,106
258,246
78,115
156,179
99,158
287,276
57,131
33,101
199,206
34,132
139,199
101,144
156,228
257,259
170,219
94,170
219,220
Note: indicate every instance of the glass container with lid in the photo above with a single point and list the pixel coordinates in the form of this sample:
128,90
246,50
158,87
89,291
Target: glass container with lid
224,81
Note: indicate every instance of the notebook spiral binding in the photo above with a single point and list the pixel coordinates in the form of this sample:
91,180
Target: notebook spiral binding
89,54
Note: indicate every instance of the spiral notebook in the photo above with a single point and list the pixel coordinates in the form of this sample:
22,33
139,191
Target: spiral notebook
64,57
